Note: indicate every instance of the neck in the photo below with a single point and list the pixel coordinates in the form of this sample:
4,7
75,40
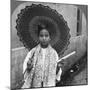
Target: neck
44,46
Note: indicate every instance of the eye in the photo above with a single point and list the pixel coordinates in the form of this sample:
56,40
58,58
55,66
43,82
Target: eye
41,35
46,35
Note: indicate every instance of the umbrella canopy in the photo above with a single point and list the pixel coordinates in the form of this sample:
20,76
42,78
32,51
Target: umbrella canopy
35,15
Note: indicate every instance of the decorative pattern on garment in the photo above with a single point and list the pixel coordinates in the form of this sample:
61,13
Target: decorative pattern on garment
34,78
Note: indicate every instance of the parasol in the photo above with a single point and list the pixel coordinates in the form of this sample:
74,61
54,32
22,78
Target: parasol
27,26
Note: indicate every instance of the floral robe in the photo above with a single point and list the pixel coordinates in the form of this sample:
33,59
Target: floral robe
34,78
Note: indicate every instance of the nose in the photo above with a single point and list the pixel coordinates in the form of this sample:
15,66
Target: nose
44,38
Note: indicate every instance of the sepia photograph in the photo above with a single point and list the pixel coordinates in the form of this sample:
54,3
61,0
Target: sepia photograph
49,44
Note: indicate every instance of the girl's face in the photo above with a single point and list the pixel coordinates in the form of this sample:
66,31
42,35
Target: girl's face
44,37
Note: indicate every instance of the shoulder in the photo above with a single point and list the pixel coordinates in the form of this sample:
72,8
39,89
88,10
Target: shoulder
54,51
54,54
34,49
31,51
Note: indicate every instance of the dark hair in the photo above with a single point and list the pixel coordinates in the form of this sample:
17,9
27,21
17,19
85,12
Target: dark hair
41,27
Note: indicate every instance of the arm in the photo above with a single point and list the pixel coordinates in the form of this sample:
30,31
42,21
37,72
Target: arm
59,64
27,60
58,75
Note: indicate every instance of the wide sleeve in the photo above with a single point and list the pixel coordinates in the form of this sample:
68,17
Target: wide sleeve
58,76
26,59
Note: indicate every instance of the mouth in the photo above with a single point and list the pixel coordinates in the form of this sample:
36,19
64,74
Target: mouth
44,42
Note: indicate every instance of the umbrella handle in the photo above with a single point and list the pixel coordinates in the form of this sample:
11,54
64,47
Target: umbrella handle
67,56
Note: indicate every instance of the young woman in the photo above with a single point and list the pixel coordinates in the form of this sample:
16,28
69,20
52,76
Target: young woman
40,64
